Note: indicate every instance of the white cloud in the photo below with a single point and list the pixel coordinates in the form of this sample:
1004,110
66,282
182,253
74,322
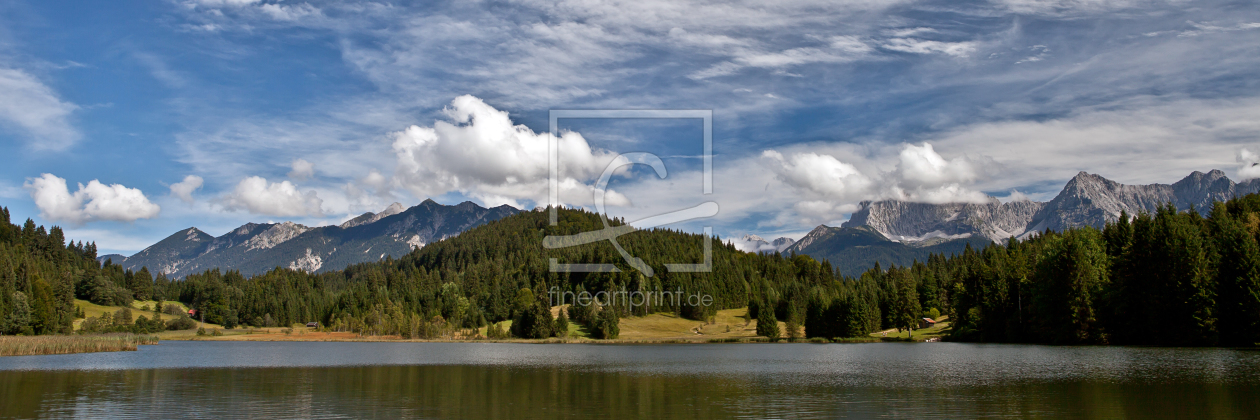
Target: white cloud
1249,164
823,175
921,166
301,169
184,189
289,13
480,153
256,195
1016,196
1068,7
831,185
93,202
922,175
1206,28
1138,142
34,108
917,46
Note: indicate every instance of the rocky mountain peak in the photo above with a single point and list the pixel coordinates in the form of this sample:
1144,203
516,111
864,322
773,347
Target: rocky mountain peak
370,217
394,231
755,243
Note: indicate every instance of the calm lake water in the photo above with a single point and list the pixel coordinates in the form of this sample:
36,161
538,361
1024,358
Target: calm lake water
482,380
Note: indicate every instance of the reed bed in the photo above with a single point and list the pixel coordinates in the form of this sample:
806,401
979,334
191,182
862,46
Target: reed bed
66,344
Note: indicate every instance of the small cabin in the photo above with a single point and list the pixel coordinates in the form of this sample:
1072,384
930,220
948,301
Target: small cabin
926,323
312,325
192,313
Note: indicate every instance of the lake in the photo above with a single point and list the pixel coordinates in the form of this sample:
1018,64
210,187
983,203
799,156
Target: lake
178,379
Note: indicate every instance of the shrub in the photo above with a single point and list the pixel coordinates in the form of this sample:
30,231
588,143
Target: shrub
183,323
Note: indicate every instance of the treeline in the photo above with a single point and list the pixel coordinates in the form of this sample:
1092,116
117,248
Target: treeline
1170,279
37,278
41,275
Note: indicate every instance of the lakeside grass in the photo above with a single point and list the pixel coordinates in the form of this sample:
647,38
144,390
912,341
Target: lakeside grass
727,326
67,344
937,331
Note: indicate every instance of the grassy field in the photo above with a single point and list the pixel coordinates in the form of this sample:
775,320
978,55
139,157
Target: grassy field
66,344
727,326
94,310
937,331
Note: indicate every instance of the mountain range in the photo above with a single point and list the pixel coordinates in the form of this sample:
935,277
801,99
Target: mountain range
889,232
255,248
899,232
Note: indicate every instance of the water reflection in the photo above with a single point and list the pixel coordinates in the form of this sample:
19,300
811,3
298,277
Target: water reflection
430,380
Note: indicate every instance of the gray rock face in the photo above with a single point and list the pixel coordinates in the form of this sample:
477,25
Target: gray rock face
915,222
255,248
1091,200
1086,200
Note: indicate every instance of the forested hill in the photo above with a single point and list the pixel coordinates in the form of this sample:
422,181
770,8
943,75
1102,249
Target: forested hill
499,271
38,271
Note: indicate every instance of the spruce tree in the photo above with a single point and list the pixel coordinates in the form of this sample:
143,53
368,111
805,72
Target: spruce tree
767,324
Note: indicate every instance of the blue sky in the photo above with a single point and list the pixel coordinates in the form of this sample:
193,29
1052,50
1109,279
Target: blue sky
213,113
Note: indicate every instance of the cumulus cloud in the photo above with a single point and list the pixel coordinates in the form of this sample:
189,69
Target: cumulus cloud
256,195
480,153
823,175
93,202
184,189
922,175
1249,164
301,169
33,107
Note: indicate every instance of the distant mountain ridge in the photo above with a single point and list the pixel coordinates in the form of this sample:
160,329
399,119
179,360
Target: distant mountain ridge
1086,200
754,243
853,250
255,248
921,228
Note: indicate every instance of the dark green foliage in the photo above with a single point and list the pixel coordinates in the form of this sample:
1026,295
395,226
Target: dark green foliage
605,325
767,324
182,323
1069,278
38,275
534,321
562,324
904,307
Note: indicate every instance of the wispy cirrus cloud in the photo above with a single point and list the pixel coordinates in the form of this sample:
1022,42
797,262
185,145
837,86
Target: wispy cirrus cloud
35,110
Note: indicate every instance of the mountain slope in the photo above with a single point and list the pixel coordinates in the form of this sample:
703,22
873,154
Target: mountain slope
255,248
853,250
